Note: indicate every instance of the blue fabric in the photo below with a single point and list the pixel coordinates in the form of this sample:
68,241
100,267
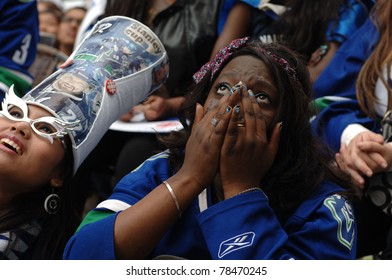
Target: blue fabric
330,123
339,77
242,227
19,34
224,13
351,17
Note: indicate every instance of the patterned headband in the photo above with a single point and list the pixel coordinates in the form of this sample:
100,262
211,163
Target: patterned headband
225,53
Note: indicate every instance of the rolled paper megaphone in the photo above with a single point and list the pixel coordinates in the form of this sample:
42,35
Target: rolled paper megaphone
115,67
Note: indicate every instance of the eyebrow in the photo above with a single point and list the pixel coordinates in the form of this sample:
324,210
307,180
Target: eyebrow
260,81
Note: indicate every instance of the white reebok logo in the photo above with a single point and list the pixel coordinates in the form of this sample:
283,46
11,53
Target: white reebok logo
236,243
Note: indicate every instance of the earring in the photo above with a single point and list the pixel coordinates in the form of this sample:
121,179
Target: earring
52,203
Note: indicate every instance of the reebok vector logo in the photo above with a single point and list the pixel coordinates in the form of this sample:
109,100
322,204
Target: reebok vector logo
236,243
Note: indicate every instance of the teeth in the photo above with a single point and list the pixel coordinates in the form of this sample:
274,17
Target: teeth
12,144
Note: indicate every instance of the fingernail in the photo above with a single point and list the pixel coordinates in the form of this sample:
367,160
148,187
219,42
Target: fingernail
228,109
240,85
237,109
250,93
243,87
280,125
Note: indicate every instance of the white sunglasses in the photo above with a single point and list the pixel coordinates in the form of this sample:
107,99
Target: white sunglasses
16,109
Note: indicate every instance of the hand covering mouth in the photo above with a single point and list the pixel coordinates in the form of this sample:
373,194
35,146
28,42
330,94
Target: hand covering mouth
11,145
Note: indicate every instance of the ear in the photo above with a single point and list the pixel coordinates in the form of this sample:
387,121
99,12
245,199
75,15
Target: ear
57,180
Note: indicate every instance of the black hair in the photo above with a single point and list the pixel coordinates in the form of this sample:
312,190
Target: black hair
303,26
303,161
57,228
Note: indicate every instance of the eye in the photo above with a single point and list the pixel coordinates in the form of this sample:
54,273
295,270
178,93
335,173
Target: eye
45,128
262,97
15,112
223,89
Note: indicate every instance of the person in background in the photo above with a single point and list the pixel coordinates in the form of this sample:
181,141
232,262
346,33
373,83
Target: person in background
244,152
68,28
46,135
49,15
189,45
355,120
204,46
36,165
19,35
315,29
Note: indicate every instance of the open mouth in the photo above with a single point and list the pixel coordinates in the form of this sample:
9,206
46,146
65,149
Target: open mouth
11,145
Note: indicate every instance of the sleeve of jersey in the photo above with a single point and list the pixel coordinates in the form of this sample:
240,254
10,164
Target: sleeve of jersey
94,238
340,75
330,123
352,15
19,30
94,241
245,227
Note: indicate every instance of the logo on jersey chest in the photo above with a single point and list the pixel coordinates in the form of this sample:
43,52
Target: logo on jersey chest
342,212
236,243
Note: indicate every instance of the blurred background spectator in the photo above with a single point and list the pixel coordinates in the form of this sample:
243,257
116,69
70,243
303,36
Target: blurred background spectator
58,28
49,14
68,28
19,38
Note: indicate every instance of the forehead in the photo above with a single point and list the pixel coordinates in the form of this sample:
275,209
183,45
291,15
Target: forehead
37,112
75,12
246,68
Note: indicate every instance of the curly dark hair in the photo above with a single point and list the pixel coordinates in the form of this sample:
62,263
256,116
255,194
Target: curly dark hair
303,161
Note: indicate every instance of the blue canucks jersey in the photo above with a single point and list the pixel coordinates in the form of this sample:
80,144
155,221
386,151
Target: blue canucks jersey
19,35
242,227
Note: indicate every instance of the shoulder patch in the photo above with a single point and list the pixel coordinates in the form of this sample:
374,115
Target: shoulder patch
236,243
342,212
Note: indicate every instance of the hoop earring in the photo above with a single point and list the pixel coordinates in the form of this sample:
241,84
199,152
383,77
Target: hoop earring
52,203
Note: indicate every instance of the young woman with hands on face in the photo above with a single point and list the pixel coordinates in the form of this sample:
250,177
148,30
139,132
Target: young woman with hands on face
244,179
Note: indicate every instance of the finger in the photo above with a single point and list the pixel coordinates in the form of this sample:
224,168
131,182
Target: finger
345,155
219,117
362,164
376,162
232,127
126,117
369,146
375,151
353,159
369,136
273,144
260,124
341,163
199,114
357,179
250,106
377,138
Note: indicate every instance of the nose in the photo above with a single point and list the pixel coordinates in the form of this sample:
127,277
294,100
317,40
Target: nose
22,128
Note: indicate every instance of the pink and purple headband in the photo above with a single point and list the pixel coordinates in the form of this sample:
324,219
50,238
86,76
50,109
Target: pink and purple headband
226,52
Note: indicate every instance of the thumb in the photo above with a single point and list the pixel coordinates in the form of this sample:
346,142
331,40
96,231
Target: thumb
273,145
199,114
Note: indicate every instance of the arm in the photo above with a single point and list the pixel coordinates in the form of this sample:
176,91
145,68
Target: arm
351,16
341,73
135,231
157,107
320,60
237,25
